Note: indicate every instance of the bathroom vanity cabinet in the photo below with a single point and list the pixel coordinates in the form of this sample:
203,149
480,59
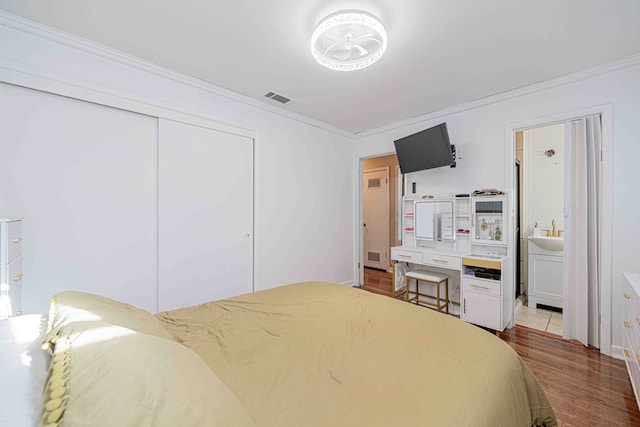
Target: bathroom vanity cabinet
545,277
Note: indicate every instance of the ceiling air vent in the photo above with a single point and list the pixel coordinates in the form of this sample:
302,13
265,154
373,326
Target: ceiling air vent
278,98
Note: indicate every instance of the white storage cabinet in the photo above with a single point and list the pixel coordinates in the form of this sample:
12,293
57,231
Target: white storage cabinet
10,267
489,220
482,295
631,330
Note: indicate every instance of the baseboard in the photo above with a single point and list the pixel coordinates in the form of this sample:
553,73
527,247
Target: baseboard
349,283
617,352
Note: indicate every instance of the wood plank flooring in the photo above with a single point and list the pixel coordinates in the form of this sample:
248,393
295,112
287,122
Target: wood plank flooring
378,282
585,388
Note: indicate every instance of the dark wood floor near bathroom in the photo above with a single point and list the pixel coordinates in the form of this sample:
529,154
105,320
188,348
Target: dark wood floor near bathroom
584,387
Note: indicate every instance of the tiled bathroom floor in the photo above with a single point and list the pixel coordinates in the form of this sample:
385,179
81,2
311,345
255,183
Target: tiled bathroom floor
539,319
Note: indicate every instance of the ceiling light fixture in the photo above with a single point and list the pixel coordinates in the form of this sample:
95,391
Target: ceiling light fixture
348,40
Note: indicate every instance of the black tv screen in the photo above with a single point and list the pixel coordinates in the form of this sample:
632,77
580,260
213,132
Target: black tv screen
426,149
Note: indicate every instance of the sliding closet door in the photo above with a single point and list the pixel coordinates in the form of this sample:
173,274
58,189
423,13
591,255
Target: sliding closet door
205,214
82,177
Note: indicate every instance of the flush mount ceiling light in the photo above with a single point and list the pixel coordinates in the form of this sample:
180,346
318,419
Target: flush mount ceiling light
348,40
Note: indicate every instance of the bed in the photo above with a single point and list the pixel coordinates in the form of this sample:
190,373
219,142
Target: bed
307,354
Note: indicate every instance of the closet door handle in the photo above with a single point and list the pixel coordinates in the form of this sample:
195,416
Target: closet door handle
16,240
17,277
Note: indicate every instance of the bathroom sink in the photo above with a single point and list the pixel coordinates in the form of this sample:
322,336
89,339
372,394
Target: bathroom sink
549,243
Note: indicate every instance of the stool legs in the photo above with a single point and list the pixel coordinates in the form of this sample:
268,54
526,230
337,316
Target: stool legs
446,292
407,281
438,304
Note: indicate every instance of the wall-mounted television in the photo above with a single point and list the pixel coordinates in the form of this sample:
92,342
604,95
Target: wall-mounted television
426,149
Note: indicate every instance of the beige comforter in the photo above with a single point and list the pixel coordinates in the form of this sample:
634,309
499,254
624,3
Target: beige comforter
328,355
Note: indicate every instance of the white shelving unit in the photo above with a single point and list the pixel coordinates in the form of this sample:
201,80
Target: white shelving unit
489,301
408,221
463,222
489,220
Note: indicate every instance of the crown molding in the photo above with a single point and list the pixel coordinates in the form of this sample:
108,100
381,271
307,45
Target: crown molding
87,46
609,67
57,36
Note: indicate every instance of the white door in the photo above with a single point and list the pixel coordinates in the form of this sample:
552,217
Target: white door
376,218
205,215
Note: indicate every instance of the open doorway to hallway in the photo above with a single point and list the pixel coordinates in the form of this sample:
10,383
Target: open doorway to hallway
381,191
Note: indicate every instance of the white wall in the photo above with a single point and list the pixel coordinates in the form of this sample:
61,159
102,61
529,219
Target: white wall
304,174
544,177
480,129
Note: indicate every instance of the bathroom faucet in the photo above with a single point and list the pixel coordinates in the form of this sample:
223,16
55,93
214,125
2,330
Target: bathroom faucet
554,232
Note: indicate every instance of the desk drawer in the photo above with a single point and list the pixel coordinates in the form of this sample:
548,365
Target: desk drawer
406,256
633,369
489,287
444,261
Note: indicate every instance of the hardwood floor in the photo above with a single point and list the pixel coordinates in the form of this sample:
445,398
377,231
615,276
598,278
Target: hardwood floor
585,388
378,282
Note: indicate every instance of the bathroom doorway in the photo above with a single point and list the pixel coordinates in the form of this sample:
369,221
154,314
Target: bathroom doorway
586,215
539,178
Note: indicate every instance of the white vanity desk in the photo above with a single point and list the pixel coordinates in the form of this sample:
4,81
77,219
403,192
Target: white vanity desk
446,235
483,300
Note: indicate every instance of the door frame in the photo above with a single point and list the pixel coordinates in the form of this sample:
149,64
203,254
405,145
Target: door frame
606,203
517,200
387,208
358,267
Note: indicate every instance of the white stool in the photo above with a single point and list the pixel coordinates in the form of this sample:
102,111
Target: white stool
433,278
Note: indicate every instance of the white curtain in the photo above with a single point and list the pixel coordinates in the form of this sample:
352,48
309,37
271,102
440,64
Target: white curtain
581,310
